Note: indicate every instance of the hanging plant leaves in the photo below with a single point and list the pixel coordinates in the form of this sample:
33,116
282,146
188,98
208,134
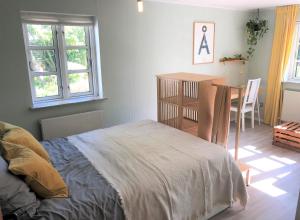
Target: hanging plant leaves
256,29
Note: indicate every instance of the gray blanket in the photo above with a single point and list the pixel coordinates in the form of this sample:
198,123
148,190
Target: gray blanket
91,197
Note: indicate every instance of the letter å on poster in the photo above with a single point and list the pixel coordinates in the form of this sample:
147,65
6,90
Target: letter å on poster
203,42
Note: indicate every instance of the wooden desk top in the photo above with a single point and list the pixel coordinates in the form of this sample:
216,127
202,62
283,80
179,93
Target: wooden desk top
194,77
235,93
188,76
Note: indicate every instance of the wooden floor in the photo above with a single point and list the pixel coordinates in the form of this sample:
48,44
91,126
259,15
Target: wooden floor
275,183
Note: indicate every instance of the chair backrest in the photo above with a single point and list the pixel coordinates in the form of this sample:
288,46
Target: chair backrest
251,91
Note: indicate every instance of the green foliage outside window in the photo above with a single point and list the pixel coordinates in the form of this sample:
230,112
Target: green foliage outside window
45,60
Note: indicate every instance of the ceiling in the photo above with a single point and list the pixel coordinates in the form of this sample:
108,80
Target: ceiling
233,4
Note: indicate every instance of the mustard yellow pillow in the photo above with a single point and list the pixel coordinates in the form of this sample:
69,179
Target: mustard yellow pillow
40,175
6,126
20,136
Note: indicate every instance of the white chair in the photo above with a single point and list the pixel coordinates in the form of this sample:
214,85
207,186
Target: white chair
249,102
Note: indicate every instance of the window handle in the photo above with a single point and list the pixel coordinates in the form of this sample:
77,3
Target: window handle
30,66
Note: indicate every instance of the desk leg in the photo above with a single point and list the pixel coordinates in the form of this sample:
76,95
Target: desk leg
238,127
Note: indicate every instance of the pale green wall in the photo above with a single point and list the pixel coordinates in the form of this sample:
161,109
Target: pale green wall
134,47
259,63
15,98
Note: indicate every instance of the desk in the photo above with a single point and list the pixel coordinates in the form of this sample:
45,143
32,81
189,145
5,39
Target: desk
235,93
238,94
244,168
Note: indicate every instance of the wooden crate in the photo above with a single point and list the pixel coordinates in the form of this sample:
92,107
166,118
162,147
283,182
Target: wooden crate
287,135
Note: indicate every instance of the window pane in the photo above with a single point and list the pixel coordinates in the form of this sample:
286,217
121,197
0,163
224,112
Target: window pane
40,35
298,54
79,82
43,61
297,72
45,86
77,59
75,36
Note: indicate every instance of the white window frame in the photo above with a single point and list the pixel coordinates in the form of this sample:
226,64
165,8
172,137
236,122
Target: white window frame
32,73
58,22
292,67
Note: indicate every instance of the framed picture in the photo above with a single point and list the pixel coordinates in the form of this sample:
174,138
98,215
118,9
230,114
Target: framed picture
203,42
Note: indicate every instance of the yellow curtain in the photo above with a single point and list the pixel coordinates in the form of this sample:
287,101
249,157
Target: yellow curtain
282,43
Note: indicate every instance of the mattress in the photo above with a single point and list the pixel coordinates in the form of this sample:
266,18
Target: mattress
161,172
92,162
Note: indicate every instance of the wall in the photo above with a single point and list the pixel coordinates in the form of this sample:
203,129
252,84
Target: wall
134,48
14,82
259,63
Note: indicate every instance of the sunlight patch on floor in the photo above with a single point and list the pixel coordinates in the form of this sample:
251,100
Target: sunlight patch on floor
262,167
255,172
265,164
280,176
283,160
252,148
267,186
243,153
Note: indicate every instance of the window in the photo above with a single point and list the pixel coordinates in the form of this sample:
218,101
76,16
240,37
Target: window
61,60
294,69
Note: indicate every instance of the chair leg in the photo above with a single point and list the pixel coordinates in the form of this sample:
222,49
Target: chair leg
252,118
235,117
243,121
258,112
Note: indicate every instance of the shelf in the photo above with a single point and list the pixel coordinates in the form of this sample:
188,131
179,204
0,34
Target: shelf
178,98
188,125
233,61
187,102
190,77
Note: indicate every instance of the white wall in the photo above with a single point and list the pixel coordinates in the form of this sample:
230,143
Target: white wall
134,48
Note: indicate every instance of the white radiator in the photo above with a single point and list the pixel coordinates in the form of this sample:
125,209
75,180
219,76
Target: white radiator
291,106
71,124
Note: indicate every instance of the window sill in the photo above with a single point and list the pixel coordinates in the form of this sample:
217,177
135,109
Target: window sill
49,104
292,81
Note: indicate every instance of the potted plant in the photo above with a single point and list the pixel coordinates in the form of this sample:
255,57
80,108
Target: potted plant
256,28
236,57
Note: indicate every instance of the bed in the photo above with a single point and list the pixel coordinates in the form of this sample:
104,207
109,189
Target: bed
142,170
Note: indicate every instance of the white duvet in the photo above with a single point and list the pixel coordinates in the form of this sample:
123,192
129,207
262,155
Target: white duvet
163,173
